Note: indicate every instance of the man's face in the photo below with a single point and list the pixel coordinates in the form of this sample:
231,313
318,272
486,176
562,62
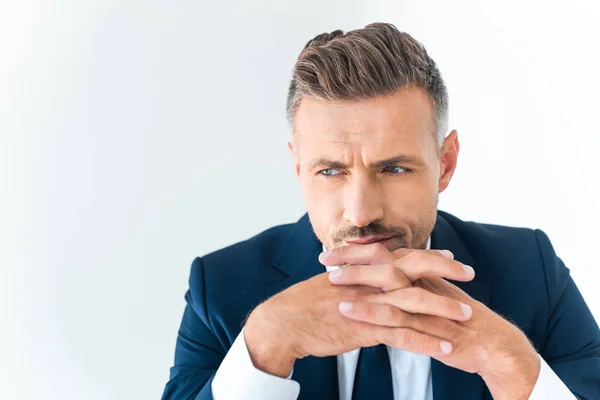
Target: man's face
370,170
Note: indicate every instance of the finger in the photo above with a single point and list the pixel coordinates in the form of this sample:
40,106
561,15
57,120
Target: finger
416,300
373,253
442,286
386,277
375,314
411,340
415,342
404,251
418,264
385,317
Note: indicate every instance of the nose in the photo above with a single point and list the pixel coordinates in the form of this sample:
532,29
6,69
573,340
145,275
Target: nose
362,202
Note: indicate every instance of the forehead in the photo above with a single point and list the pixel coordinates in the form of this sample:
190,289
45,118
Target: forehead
404,119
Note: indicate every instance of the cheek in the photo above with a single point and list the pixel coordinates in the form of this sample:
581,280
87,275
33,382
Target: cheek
412,204
324,205
413,193
318,190
326,208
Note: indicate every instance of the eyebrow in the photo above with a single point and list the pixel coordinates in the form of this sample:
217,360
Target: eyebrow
389,162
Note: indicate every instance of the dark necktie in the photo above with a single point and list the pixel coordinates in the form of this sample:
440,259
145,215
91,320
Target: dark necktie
373,378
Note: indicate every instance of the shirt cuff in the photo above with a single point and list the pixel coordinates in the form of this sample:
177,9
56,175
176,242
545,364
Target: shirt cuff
549,385
237,378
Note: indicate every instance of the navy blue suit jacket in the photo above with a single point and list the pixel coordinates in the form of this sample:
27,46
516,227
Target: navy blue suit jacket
518,275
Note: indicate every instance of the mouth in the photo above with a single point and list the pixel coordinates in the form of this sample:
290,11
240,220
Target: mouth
369,240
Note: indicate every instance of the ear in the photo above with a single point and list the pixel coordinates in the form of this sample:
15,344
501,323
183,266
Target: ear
448,159
292,147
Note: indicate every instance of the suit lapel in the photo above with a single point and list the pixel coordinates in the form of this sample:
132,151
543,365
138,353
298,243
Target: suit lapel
297,261
451,383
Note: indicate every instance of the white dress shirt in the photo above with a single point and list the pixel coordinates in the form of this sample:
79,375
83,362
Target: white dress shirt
237,378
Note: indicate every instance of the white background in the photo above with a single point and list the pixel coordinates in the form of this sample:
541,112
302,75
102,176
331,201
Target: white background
137,135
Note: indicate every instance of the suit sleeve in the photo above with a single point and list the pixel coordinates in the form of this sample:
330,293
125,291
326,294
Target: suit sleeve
198,352
572,343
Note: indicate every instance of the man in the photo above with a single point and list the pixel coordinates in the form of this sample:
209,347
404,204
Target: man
426,306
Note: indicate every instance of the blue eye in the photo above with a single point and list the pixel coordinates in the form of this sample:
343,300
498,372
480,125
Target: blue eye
397,170
329,172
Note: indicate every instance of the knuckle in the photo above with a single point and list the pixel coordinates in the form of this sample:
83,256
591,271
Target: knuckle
377,249
390,272
394,316
414,296
430,343
453,333
374,312
400,273
338,253
419,256
424,341
423,323
476,304
355,292
401,319
405,336
364,309
401,252
414,261
410,257
350,272
386,313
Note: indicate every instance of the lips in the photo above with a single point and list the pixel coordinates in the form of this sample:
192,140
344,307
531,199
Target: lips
369,239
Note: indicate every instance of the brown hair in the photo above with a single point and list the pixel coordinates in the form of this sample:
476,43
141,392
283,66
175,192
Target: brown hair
377,60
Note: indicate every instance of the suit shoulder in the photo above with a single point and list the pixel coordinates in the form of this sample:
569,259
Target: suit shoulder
506,256
259,248
500,240
515,264
227,283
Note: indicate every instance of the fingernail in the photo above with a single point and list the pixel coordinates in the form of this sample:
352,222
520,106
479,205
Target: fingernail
466,309
447,254
345,306
445,346
335,275
469,270
324,255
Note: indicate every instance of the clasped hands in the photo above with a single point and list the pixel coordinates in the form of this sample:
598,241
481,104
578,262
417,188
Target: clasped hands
400,299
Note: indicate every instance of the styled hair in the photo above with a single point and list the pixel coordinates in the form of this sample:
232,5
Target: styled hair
362,64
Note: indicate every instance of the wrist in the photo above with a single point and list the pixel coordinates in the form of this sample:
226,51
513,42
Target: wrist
512,376
272,354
